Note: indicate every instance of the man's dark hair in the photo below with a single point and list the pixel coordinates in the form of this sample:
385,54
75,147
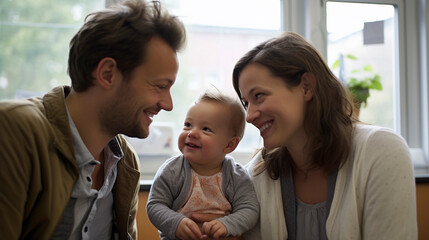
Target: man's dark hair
122,33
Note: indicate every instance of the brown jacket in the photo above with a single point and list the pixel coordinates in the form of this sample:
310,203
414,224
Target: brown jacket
38,170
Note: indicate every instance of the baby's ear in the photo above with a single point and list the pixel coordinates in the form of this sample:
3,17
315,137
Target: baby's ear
232,144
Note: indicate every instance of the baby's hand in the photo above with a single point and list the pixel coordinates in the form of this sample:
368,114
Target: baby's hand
188,229
214,229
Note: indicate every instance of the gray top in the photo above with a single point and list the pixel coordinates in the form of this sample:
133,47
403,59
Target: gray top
299,224
172,184
311,220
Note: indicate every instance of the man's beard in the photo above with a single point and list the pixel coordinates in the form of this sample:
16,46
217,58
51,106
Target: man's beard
121,117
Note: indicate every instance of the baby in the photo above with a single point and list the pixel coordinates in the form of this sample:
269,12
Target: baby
203,179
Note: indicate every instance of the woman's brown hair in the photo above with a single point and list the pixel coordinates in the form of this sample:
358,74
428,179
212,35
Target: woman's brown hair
329,115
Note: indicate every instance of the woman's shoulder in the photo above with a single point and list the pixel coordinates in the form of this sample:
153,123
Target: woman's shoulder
378,144
256,159
364,134
258,174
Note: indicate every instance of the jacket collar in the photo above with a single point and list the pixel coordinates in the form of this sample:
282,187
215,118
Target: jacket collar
56,113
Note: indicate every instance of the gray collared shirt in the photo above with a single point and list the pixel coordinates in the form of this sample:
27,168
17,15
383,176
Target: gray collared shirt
89,212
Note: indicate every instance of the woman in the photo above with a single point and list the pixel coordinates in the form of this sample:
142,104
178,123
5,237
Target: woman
321,174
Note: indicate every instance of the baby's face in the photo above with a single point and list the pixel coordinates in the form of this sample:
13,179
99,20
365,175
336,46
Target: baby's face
206,135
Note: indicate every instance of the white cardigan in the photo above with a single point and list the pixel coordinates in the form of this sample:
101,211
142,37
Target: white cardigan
374,193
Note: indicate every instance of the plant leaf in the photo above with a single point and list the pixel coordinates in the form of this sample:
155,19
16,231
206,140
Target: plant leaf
336,64
367,68
350,56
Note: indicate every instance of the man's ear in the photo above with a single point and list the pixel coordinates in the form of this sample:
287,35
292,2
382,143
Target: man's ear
105,72
232,144
308,82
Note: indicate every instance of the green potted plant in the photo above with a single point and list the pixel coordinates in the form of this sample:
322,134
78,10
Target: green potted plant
359,81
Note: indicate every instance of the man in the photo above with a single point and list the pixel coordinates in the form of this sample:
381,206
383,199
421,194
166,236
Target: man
66,171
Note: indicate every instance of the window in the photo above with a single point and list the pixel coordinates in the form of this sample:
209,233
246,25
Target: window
34,50
361,39
397,52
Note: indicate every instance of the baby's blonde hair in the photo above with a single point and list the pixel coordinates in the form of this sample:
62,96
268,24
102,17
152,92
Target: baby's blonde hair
238,115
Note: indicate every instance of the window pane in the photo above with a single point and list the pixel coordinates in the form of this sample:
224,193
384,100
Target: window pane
362,37
34,40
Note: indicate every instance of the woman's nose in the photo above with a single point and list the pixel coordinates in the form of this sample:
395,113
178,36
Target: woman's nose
252,113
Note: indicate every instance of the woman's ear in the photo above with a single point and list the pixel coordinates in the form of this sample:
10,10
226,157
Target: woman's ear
232,144
105,72
308,82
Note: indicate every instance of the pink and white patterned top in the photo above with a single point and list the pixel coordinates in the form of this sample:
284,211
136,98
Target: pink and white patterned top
206,196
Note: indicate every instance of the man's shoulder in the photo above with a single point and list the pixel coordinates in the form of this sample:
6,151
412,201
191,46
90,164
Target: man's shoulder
14,112
16,105
41,107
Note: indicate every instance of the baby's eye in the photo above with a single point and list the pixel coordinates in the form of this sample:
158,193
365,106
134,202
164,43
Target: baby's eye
206,129
186,125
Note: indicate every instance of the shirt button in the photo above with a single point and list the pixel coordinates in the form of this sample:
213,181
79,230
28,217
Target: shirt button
89,179
86,229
